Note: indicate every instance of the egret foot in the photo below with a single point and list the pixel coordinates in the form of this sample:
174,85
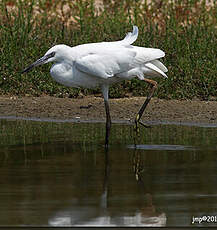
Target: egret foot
137,122
144,125
136,127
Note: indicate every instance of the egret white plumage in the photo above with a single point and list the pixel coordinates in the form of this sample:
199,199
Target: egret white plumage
104,63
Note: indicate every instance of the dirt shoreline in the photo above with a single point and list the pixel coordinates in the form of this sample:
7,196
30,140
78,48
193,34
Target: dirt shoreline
91,108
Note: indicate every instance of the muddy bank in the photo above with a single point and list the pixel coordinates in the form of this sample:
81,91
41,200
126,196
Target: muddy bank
124,109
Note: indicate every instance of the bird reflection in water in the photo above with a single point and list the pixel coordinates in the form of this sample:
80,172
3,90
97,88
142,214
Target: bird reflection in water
147,214
102,213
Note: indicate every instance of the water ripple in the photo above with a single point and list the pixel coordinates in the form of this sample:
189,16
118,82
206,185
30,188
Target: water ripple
162,147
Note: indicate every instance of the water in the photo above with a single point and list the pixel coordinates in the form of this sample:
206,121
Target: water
58,174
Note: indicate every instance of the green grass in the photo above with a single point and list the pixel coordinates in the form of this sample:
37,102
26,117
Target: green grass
185,30
22,132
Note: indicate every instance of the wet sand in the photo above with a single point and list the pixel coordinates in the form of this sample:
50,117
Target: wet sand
91,108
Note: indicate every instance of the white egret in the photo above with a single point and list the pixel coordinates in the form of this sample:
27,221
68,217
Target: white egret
104,63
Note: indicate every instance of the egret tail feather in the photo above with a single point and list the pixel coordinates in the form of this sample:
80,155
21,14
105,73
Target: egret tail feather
131,36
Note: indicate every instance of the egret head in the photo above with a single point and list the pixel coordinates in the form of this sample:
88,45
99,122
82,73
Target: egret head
56,53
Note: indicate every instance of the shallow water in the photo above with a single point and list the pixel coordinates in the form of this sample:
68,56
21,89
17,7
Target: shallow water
58,174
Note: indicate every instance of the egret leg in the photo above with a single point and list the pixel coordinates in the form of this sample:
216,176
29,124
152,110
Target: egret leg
105,89
141,111
108,123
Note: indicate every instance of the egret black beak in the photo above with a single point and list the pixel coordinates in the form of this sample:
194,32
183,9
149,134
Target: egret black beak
40,61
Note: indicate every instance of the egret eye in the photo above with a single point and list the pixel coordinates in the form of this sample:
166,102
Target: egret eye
52,54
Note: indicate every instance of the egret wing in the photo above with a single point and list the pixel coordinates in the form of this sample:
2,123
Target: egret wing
107,63
144,55
160,65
